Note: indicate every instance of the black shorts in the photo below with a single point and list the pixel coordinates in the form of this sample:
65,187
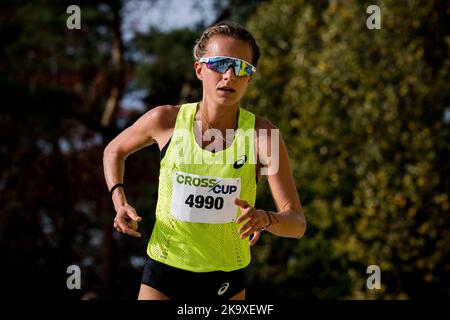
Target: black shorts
179,284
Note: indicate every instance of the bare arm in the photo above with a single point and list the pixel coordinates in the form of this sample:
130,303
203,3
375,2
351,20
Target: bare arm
152,127
289,221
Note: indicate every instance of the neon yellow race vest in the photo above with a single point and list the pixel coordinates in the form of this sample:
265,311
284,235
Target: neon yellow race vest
195,228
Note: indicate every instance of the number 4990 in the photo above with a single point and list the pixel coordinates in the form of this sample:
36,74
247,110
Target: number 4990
208,202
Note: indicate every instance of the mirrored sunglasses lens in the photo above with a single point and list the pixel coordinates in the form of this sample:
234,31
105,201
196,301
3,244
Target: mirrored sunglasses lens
221,65
241,68
238,68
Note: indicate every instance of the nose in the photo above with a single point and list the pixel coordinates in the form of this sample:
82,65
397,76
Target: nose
229,74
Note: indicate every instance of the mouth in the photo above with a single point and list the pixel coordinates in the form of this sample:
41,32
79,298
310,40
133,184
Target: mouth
226,89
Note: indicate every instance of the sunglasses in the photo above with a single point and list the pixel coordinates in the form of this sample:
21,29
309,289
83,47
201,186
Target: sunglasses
222,63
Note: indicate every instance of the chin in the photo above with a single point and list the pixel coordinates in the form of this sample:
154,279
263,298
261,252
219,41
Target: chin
226,101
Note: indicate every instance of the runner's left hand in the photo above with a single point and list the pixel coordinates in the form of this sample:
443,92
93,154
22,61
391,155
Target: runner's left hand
255,220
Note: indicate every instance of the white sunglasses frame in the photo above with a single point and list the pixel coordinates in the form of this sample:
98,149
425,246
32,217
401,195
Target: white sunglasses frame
206,60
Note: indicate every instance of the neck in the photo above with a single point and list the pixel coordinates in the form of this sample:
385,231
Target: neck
219,116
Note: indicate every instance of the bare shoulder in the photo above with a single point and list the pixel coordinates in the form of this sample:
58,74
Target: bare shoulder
163,116
153,126
263,134
263,123
163,123
156,124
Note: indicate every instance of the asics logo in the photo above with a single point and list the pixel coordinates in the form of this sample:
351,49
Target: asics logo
240,162
223,288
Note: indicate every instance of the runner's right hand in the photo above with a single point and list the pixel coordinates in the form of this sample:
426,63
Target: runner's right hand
126,220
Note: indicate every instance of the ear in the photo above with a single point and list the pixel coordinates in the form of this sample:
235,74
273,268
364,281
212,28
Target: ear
198,70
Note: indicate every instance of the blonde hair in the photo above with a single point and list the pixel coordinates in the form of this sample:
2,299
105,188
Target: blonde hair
229,29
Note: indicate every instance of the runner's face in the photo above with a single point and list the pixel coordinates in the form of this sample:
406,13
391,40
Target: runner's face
213,80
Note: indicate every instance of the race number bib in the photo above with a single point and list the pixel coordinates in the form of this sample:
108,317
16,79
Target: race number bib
204,199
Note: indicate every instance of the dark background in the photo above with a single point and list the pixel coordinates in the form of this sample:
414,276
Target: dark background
365,115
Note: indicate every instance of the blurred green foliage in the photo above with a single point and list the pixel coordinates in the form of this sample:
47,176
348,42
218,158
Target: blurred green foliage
362,113
167,66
